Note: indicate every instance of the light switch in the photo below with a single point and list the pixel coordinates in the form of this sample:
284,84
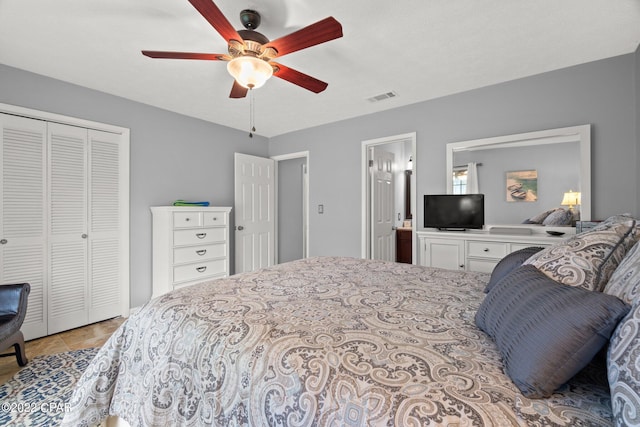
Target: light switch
320,209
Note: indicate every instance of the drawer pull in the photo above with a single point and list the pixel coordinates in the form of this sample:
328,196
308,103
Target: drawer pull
187,219
201,252
215,219
486,249
201,269
201,235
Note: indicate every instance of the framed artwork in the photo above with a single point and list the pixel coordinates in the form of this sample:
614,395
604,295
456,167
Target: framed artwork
522,186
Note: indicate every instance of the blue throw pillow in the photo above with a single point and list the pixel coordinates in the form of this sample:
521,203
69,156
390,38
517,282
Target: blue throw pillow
546,332
509,263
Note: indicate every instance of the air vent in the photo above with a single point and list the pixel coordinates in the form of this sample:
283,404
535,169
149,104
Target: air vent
382,96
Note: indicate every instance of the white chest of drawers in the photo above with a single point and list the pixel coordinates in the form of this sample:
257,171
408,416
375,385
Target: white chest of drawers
190,245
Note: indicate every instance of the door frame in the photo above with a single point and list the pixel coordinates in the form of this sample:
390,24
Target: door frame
365,247
305,200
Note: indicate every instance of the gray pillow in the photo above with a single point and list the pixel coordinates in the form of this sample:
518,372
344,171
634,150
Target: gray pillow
537,219
546,331
558,217
509,263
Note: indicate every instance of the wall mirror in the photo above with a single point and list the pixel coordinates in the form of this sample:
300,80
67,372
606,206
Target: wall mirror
550,163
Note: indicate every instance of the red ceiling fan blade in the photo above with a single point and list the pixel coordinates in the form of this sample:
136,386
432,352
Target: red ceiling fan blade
298,78
238,91
186,55
320,32
211,13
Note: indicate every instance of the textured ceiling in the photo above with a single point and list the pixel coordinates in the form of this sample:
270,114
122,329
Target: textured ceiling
419,49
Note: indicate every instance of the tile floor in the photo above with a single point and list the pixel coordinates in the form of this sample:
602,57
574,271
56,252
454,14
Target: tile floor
93,335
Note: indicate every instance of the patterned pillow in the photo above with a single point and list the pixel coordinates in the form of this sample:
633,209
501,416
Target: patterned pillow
624,371
546,332
588,259
625,280
558,217
624,347
537,219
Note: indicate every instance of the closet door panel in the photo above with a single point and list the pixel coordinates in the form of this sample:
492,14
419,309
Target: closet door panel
22,214
68,302
105,238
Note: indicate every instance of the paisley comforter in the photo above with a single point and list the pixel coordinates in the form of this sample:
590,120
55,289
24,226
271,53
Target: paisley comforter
325,341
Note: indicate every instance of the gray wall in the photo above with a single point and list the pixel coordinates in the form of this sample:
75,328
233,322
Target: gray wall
601,93
172,156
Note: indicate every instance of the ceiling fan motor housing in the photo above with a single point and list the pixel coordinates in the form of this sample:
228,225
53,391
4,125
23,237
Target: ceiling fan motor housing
250,19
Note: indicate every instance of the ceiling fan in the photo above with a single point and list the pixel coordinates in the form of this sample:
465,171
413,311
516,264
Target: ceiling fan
250,53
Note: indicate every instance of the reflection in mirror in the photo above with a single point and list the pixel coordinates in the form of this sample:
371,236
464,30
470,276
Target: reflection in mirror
524,175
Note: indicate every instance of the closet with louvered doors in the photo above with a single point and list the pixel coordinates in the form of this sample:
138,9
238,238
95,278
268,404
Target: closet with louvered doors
64,222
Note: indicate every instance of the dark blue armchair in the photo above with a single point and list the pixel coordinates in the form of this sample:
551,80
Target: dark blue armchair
13,308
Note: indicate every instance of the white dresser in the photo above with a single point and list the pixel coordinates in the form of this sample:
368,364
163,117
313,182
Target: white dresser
475,250
190,245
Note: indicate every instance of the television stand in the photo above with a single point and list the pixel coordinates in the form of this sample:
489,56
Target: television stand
473,251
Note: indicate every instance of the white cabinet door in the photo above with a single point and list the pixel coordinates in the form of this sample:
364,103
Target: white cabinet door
443,253
22,214
68,296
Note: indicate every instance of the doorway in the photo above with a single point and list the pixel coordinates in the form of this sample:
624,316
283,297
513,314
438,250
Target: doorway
292,206
404,148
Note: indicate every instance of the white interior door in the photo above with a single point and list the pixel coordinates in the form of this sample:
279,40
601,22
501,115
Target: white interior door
254,212
382,204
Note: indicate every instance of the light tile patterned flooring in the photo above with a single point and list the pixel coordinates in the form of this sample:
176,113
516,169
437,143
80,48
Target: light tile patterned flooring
94,335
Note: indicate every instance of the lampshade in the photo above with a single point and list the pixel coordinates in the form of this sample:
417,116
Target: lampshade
249,71
571,198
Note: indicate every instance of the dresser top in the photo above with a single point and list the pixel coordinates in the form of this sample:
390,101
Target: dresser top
190,209
485,235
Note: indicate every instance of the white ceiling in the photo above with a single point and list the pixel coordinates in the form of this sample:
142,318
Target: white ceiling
420,49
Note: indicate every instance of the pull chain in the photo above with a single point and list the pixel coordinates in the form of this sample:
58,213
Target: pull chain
251,113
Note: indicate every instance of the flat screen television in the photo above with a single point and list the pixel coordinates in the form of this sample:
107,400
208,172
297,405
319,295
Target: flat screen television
454,211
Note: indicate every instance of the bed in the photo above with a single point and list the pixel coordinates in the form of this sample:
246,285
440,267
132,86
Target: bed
325,341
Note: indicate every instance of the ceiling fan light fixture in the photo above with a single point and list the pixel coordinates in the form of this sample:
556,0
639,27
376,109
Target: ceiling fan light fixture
249,71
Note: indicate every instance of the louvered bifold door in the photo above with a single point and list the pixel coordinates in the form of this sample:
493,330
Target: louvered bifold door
22,214
68,234
105,237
